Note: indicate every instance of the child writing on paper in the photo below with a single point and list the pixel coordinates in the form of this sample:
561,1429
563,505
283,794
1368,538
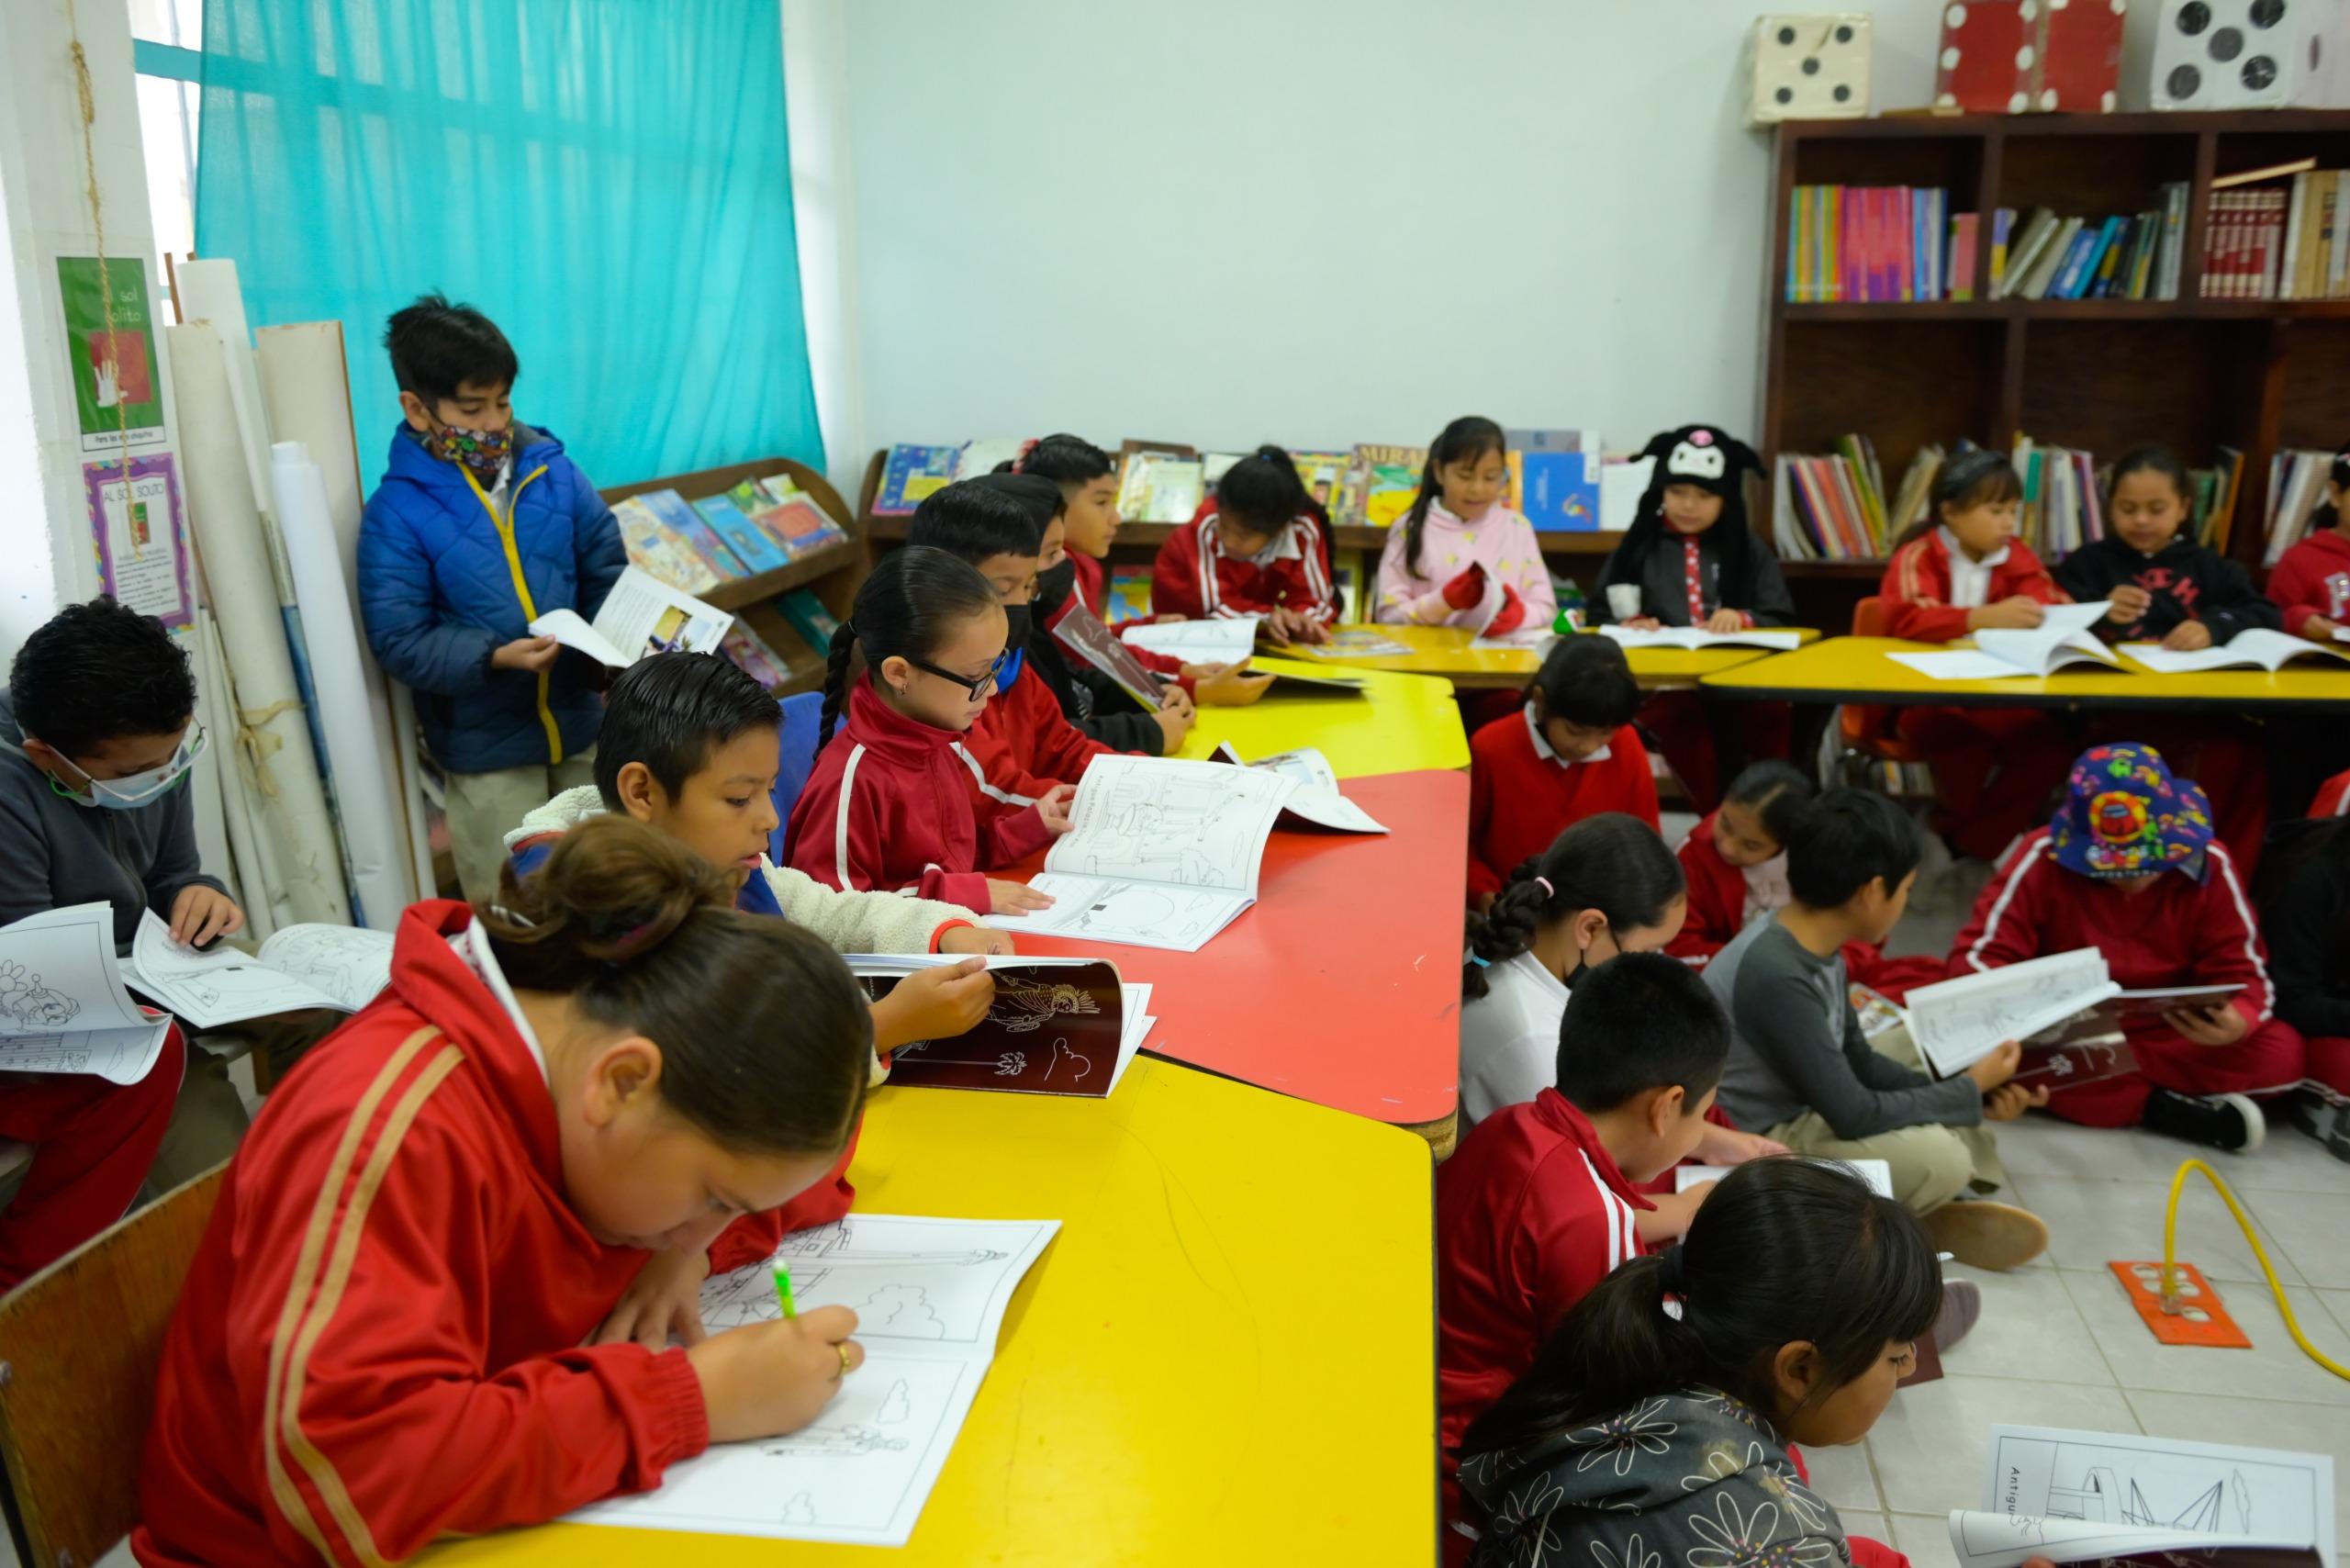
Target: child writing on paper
1260,545
1541,1201
889,805
1462,559
1003,524
1691,559
1089,484
1802,1073
1961,570
439,1292
480,525
1569,753
2129,865
2304,899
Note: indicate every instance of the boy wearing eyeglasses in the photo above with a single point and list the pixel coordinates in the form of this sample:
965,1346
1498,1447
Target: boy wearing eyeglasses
97,733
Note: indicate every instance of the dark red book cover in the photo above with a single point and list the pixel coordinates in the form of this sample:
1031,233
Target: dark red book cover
1054,1029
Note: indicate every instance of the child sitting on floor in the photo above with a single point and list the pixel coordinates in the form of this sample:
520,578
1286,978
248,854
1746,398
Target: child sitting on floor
2305,910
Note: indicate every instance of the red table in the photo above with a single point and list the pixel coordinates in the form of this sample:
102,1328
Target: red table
1341,984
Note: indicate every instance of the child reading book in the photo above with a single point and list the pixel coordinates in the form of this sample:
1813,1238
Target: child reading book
1800,1071
1957,571
1691,559
2129,865
1461,557
439,1292
1539,1203
2304,899
889,804
1670,1397
1260,545
1569,753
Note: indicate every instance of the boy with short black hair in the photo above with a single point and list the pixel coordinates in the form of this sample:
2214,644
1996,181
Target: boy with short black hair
97,734
479,526
1538,1203
1569,753
1801,1071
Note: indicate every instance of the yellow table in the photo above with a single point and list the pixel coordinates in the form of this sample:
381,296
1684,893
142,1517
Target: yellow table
1227,1350
1401,723
1445,651
1855,669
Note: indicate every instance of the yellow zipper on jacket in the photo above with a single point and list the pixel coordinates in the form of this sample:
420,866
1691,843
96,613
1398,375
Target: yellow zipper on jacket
505,527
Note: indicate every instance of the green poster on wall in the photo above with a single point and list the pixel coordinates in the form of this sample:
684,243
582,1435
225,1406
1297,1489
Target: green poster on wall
117,386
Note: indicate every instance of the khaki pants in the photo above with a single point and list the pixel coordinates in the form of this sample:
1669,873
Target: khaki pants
1931,1163
485,807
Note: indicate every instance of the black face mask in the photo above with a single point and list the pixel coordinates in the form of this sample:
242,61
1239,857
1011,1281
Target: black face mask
1016,630
1052,587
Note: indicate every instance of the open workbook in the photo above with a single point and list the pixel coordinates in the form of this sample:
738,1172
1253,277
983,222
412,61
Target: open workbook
300,967
2257,648
2062,638
63,1005
1877,1173
642,615
1226,640
1161,853
1317,799
929,1296
1057,1026
1955,1023
2161,1502
1695,637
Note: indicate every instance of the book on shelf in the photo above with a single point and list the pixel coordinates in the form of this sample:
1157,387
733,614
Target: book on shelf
2216,489
750,653
1324,476
658,549
809,617
2297,482
1159,487
1127,595
689,525
1870,244
799,526
1389,478
1959,282
1829,507
911,473
2062,508
2122,256
2244,252
1554,480
750,543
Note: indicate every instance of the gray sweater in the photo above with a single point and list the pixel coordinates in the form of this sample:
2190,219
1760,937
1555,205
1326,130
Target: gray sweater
1797,1045
54,854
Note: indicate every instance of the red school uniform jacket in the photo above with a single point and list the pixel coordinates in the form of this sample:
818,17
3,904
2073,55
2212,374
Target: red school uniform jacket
892,805
1716,896
380,1340
1530,1213
2312,580
1023,743
1521,795
1917,587
1195,577
2178,932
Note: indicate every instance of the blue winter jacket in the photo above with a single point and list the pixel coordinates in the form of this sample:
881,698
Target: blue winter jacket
443,582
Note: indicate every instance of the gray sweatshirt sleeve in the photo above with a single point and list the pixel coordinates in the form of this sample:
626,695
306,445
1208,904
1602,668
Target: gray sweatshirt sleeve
1783,1015
178,862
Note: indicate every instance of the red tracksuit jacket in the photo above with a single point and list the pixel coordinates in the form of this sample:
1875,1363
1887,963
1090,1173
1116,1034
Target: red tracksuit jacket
2312,580
379,1343
1530,1213
1195,577
895,804
1716,896
1917,587
1025,744
1521,795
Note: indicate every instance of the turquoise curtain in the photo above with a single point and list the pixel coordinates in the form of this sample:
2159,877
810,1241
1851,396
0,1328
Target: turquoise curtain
608,180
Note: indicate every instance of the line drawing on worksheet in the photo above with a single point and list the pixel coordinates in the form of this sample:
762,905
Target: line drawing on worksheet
1192,824
349,963
1956,1021
63,1004
904,1278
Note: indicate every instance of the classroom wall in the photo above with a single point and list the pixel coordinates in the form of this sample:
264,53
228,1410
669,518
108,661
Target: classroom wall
1321,222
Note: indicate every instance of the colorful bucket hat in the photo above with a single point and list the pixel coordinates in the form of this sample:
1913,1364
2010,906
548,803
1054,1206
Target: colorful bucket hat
2124,815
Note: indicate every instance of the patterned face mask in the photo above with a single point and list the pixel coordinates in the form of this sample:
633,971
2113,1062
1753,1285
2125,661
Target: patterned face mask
484,452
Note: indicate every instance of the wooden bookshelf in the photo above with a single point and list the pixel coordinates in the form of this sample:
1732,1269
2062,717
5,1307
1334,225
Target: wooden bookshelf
2098,375
831,573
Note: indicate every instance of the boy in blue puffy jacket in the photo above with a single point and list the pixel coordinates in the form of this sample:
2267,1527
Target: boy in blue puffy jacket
479,526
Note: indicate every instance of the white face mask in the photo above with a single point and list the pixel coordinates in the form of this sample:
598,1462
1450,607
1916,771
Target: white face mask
138,789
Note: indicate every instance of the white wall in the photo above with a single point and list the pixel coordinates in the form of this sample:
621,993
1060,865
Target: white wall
1321,221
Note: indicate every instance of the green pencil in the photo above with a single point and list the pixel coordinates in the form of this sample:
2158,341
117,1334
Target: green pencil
783,1291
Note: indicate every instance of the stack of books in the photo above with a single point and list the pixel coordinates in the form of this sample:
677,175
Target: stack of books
758,526
2280,242
1869,244
2215,498
2296,489
2062,506
2131,256
1832,508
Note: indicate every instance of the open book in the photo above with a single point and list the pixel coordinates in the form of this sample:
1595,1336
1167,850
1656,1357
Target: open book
2257,648
1079,631
1317,799
63,1005
1058,1026
2165,1501
2041,1003
340,967
1227,640
642,615
930,1296
2062,638
1698,637
1162,853
1878,1173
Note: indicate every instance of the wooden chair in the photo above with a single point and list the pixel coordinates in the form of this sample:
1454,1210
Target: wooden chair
1869,730
80,1345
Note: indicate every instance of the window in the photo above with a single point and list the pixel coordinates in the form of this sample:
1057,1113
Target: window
167,43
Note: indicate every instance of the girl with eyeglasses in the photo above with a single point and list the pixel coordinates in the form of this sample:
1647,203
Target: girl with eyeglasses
889,805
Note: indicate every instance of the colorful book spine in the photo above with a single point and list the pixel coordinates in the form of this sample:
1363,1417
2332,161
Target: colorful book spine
754,549
909,474
689,525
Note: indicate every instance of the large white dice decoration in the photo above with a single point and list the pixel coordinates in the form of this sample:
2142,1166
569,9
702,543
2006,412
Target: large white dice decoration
1809,68
2250,54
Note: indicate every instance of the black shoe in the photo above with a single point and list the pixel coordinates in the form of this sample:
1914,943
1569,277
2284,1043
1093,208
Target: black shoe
2220,1121
2324,1117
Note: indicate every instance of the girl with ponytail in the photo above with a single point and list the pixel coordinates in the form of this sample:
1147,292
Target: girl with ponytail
1657,1418
896,802
1461,557
447,1268
1260,545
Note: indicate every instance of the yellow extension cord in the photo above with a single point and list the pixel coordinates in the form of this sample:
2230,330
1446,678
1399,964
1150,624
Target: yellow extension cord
2170,1253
